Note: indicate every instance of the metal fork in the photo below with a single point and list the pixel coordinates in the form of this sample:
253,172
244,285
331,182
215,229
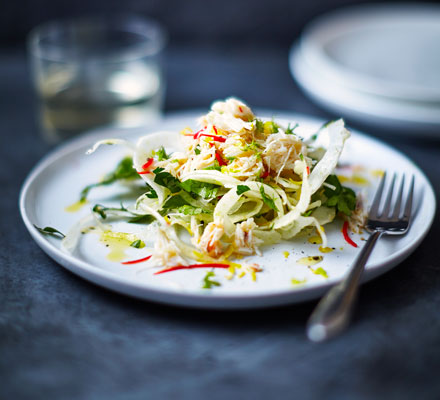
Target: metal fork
332,315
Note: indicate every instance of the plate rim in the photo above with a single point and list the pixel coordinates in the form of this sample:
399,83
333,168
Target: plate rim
122,285
327,26
398,123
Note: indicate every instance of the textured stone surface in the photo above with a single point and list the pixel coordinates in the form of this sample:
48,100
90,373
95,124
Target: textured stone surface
64,338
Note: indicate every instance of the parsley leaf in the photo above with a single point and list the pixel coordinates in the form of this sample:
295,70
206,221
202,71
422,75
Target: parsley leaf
174,202
203,189
161,154
208,283
290,131
137,244
242,188
150,193
167,180
101,210
267,200
141,219
48,230
124,170
215,166
341,197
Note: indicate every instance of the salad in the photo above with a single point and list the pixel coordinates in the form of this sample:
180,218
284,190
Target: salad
239,184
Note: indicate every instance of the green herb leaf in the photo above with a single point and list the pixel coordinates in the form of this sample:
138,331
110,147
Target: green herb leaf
242,188
167,180
141,219
341,197
124,170
203,189
48,230
208,283
150,193
307,214
290,131
197,150
267,200
135,218
161,154
137,244
101,210
215,166
174,202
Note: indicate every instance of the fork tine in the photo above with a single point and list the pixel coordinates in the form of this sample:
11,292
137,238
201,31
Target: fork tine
376,202
387,205
396,211
408,205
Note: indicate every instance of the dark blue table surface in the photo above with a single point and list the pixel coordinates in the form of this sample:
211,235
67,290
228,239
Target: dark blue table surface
64,338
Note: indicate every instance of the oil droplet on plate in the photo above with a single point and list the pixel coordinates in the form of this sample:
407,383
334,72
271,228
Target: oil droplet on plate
75,207
310,260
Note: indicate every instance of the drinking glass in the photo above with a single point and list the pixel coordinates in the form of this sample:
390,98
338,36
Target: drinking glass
96,72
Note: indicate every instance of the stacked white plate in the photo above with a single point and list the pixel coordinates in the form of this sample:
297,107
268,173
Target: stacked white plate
378,64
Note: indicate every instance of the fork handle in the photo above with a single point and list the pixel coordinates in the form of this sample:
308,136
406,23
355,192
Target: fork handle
332,315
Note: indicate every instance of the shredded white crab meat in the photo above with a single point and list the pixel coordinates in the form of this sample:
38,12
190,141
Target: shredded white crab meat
244,241
358,217
166,252
210,240
231,115
281,151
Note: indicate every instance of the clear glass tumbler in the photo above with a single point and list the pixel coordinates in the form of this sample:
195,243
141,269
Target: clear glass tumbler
96,72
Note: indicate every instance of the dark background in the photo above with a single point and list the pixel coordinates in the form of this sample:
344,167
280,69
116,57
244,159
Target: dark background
231,22
64,338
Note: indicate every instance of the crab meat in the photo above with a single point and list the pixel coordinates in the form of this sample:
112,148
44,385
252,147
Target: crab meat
210,240
282,151
244,241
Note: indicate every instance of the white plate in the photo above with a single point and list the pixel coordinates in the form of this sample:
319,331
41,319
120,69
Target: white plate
57,180
402,117
389,50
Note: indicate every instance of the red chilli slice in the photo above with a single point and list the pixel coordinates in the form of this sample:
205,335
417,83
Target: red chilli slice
214,137
265,174
192,266
346,236
200,133
220,160
146,167
136,261
195,135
